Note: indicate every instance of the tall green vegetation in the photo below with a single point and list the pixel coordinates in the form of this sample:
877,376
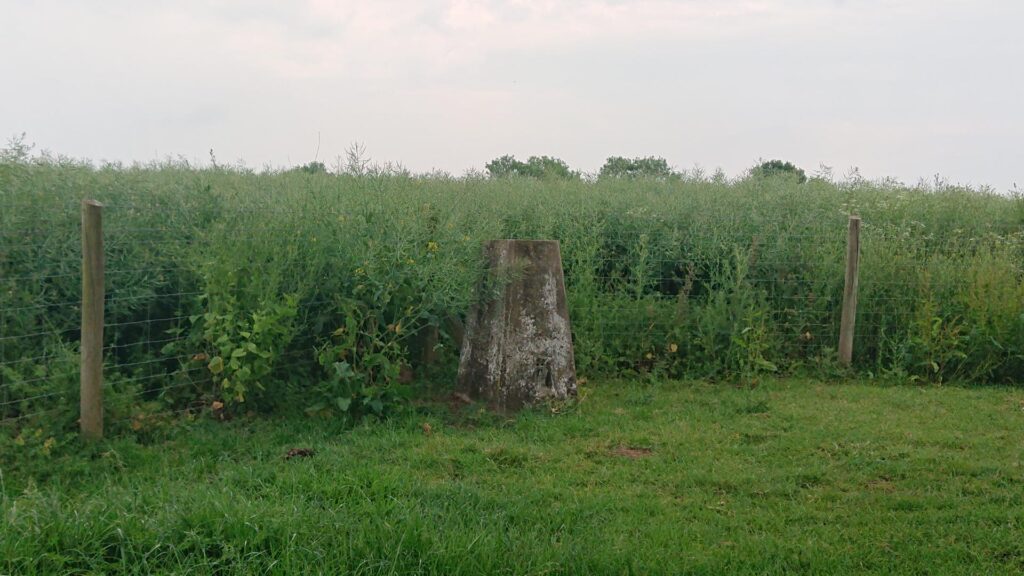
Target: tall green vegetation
314,290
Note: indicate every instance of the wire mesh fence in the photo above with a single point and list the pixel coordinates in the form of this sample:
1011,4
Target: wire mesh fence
271,290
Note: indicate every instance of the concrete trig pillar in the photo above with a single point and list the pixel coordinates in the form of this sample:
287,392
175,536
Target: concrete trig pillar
517,348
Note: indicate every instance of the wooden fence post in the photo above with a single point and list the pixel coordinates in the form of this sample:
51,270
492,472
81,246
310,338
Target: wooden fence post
846,329
91,344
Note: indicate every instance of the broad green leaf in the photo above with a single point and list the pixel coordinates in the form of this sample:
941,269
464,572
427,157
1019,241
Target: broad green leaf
216,365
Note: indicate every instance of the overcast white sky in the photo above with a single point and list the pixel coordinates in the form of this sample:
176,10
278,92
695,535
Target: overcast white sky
902,88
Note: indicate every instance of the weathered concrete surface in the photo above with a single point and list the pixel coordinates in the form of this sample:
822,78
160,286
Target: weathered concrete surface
517,348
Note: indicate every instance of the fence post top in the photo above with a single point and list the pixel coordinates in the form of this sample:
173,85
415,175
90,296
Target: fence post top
91,202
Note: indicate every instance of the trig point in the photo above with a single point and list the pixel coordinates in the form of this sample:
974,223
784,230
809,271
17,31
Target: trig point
518,344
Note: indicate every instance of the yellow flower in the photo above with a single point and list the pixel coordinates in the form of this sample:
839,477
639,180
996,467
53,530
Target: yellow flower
432,246
672,347
648,355
360,271
410,261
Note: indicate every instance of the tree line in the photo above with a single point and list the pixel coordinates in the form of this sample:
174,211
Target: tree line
548,167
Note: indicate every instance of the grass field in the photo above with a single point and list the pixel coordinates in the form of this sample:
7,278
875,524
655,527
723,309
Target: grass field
793,476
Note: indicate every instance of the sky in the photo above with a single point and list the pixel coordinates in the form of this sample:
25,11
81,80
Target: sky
907,89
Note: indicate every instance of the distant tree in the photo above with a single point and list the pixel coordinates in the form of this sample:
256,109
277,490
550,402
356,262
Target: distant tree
549,167
505,166
313,167
777,168
545,167
649,167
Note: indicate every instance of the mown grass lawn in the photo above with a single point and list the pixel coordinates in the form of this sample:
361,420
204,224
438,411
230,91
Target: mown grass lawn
675,478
